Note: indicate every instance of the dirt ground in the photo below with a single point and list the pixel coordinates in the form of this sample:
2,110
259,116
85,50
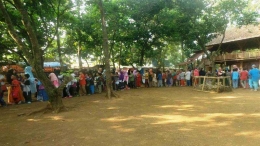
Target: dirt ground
176,116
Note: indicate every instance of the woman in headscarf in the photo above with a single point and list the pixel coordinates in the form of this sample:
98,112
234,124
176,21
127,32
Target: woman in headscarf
54,80
28,70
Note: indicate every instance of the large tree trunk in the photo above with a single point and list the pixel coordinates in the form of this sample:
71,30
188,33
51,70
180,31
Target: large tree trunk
112,52
141,62
58,36
110,92
55,98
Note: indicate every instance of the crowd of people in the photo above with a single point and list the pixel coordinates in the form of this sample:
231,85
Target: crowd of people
19,88
22,88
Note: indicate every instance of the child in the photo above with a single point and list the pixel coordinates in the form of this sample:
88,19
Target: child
26,89
2,90
41,94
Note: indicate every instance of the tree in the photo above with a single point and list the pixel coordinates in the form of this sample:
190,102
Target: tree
55,102
110,92
201,21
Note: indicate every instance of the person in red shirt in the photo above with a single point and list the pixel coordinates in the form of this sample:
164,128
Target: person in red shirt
243,78
15,95
138,79
82,83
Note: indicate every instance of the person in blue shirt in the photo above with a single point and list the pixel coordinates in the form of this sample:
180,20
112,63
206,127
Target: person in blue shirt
235,77
159,78
254,74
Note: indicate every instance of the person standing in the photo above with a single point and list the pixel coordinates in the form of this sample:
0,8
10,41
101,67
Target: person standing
235,77
159,77
26,89
250,82
195,77
188,77
146,76
164,78
2,90
182,77
254,73
178,78
82,83
174,78
131,79
150,77
168,78
154,80
16,92
54,80
28,70
126,79
243,78
138,79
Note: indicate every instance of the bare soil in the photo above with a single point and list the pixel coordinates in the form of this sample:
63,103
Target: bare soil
175,116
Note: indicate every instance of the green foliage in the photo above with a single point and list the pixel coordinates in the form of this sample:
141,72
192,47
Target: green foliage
138,30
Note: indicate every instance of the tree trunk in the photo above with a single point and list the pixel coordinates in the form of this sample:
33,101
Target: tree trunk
112,52
120,57
109,90
55,100
79,55
142,57
58,37
182,55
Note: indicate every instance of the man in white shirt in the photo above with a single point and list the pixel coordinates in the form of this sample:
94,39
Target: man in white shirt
188,77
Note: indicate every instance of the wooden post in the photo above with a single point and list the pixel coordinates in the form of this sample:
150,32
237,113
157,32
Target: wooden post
203,83
218,85
230,82
224,83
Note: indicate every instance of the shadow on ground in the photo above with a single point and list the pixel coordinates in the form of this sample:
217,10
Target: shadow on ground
153,116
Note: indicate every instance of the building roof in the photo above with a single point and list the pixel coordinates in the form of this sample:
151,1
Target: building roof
236,34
